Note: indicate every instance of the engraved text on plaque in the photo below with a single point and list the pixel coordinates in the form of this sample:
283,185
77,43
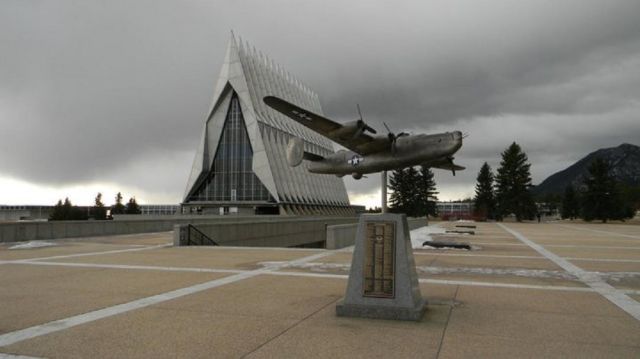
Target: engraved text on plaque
379,266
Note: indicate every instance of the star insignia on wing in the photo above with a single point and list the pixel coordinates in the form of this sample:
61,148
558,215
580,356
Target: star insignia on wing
301,115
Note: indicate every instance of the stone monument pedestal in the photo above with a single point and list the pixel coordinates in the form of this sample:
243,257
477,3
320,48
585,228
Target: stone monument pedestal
383,283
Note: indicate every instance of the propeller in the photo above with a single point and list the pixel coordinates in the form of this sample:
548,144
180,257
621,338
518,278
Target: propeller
393,138
453,166
450,158
362,126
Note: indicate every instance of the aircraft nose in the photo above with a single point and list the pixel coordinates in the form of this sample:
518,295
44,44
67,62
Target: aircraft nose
457,139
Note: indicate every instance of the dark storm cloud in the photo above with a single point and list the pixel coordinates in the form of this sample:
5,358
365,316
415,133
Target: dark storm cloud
93,90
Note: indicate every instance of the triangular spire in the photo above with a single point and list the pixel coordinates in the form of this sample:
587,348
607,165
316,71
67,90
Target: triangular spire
251,74
233,119
232,42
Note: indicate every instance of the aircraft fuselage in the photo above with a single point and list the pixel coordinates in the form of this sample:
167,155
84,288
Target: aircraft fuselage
411,150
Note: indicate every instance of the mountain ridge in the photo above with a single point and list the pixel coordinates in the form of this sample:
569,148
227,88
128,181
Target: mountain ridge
623,160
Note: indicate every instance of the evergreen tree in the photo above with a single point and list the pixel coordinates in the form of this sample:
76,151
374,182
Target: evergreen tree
485,201
99,210
632,194
397,185
132,207
56,214
426,193
570,203
118,207
512,185
413,192
67,212
412,200
403,196
603,199
78,214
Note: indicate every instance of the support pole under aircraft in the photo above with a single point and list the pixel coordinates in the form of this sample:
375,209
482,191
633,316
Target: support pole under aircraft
384,191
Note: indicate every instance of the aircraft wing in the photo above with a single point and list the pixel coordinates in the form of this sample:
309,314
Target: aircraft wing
444,164
449,166
362,143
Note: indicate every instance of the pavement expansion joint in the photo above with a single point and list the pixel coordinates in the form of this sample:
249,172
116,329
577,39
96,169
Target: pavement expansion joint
593,280
16,356
89,254
57,325
333,302
446,326
531,291
609,233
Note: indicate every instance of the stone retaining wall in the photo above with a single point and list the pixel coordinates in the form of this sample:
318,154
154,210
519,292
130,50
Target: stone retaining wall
28,231
281,233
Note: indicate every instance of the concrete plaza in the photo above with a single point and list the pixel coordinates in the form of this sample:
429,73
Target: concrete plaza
527,290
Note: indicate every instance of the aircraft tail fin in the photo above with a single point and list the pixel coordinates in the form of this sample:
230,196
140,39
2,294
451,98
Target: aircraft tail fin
296,153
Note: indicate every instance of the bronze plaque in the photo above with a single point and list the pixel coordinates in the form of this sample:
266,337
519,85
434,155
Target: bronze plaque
379,260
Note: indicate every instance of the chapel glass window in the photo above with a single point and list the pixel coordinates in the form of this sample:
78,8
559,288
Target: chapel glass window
231,177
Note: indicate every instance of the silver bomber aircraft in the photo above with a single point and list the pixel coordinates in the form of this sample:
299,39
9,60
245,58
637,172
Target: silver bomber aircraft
368,154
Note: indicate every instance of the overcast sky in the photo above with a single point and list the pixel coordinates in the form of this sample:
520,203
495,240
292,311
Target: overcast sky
111,95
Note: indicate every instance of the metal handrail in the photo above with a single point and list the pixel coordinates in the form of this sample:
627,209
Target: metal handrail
197,232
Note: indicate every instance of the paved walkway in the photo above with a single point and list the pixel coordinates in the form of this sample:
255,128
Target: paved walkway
526,290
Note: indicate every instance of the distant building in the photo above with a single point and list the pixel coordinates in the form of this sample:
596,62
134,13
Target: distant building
455,210
548,209
359,208
240,165
12,213
159,209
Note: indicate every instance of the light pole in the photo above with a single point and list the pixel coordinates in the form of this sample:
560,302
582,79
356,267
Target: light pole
384,191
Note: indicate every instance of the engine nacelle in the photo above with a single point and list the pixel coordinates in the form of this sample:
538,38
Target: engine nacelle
352,129
348,129
295,151
356,175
